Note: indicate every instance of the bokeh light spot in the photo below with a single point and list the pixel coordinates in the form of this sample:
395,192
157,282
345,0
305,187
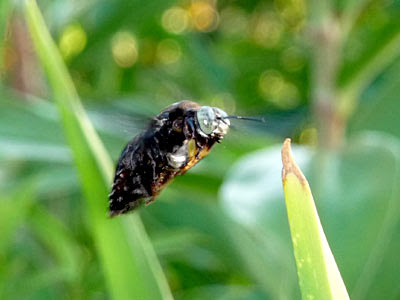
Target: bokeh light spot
266,29
225,102
293,12
175,20
292,59
168,51
234,22
124,49
271,83
277,90
203,15
73,41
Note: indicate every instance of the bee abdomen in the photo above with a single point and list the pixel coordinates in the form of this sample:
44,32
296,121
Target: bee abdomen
127,192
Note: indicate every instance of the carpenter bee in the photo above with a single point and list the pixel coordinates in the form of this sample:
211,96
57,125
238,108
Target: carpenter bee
175,140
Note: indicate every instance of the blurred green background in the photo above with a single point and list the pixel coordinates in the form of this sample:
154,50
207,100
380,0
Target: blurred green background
325,73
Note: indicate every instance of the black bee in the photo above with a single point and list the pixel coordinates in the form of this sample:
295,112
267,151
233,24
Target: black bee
175,140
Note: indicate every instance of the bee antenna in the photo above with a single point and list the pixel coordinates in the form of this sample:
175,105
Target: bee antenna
261,120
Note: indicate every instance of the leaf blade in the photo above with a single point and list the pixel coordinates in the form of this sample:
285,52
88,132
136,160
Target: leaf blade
319,276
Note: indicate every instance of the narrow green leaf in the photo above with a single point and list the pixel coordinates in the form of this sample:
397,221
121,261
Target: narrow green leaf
130,264
381,50
13,212
351,11
319,276
64,248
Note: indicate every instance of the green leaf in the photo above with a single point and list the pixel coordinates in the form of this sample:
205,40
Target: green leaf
381,50
319,276
382,222
351,11
59,241
380,107
13,211
130,264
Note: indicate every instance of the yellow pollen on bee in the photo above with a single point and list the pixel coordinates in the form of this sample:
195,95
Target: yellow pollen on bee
192,149
194,155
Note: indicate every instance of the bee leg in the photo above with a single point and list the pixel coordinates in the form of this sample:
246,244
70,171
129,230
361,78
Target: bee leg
149,200
199,147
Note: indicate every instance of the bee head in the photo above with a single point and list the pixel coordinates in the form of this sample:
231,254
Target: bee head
212,122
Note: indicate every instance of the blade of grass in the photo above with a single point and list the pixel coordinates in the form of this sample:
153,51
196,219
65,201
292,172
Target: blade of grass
382,50
52,233
13,212
130,264
319,277
351,11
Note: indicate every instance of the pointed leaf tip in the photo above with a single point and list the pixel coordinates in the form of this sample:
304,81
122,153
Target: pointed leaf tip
289,164
319,276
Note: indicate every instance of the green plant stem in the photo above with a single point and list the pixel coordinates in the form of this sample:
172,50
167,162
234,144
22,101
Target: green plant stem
326,43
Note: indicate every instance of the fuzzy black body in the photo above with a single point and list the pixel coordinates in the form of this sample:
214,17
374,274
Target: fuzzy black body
168,147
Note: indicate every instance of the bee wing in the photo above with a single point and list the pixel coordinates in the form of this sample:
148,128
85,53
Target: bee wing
118,124
124,118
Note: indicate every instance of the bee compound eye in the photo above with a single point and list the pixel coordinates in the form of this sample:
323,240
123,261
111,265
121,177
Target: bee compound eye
220,113
206,119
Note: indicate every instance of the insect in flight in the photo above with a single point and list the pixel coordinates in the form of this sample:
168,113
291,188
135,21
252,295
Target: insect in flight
175,140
